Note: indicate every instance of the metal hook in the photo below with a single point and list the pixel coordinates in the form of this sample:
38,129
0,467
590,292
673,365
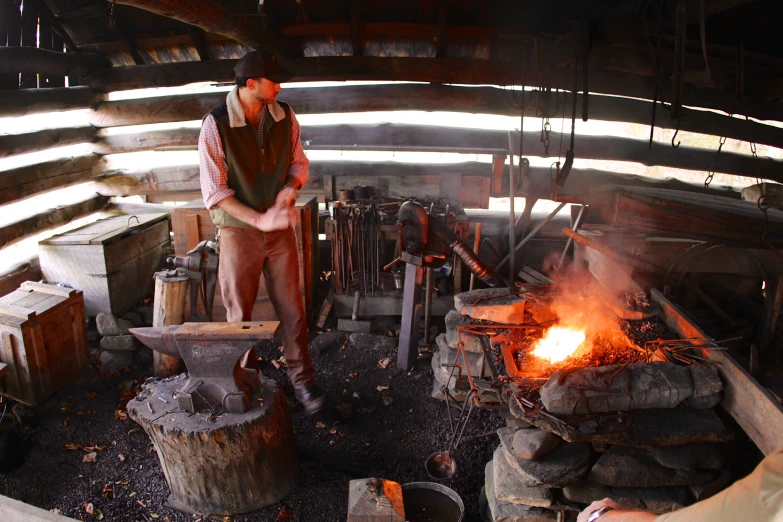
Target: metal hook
137,221
676,131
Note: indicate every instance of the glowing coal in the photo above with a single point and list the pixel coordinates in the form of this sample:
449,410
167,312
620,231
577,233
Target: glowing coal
558,343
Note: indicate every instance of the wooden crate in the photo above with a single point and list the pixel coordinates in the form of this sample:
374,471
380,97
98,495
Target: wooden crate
192,224
43,340
112,260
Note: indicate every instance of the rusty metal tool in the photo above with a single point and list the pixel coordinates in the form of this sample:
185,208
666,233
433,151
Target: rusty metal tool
212,353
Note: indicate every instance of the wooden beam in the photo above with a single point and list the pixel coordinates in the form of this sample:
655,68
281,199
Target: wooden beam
488,100
214,16
185,178
26,270
13,15
21,183
199,41
355,16
122,35
16,511
29,39
51,63
753,407
442,36
11,144
453,70
50,218
30,101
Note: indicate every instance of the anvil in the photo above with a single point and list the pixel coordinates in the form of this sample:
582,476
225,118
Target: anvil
212,353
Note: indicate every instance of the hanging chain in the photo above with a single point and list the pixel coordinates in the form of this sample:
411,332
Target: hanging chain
711,173
546,128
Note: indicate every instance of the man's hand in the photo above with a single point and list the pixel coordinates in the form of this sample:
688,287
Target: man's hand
598,504
618,514
286,197
276,218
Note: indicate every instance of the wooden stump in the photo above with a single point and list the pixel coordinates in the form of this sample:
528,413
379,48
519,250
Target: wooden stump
234,463
168,310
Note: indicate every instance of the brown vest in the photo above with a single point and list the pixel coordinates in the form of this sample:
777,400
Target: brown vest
255,172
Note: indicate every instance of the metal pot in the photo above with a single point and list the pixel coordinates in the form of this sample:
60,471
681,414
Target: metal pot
431,502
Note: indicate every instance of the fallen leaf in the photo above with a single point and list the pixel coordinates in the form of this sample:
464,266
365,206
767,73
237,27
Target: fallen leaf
120,415
80,412
352,375
382,388
73,447
97,514
133,430
133,494
66,406
88,508
66,421
122,483
90,457
284,514
333,431
56,511
107,490
121,457
154,515
126,370
90,395
275,364
383,363
139,502
320,425
109,375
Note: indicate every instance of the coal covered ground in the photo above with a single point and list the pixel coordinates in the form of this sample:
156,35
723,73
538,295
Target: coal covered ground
363,433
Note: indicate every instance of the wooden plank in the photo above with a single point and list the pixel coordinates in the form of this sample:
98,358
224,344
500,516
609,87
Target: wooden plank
49,219
14,36
30,101
7,355
16,511
17,311
753,407
40,366
79,329
192,228
29,38
25,271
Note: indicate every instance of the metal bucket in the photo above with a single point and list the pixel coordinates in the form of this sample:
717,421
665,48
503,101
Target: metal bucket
440,466
431,502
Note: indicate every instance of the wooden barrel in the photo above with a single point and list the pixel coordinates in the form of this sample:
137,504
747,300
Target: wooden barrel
222,464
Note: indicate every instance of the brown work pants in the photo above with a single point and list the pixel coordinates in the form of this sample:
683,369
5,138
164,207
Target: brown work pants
246,253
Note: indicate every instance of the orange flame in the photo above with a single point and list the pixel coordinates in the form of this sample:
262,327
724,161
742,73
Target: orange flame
558,343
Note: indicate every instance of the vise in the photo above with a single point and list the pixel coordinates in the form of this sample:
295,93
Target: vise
201,267
212,353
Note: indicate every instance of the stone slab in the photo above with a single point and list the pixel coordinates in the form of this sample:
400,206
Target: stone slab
534,444
349,325
566,465
461,300
449,355
704,403
627,467
637,386
472,342
501,511
507,309
118,342
706,380
107,325
708,489
657,500
509,488
690,456
115,360
327,342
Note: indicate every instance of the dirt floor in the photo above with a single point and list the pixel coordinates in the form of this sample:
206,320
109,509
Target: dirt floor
86,460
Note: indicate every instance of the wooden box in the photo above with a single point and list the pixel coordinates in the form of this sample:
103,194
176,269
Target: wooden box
112,260
43,340
192,224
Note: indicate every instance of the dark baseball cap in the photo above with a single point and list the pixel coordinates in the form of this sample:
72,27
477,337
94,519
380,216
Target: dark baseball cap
256,63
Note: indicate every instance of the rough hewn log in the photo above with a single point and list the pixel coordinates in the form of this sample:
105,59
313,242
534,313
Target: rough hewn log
489,100
216,17
11,144
24,182
185,178
176,139
51,63
168,309
27,270
50,218
459,71
30,101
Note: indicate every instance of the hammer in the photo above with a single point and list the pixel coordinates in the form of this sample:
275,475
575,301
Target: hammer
212,353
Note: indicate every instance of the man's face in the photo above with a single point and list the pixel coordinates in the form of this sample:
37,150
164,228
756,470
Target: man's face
263,90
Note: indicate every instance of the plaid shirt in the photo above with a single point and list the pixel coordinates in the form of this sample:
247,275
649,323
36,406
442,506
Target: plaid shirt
213,169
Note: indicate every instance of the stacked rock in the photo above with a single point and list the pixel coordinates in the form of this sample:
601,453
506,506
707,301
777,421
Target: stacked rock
118,346
484,306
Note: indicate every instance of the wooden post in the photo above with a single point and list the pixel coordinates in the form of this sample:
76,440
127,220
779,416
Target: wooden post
168,309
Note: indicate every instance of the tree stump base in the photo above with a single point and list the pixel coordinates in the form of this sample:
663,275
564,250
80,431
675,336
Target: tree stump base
227,464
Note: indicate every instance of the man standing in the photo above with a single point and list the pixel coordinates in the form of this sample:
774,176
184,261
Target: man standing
251,167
